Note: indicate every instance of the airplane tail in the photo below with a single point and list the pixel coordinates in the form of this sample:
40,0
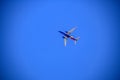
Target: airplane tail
77,39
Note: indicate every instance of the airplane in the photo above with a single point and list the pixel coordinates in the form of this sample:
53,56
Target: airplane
67,35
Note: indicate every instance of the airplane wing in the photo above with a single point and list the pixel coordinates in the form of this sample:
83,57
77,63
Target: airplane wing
65,41
71,30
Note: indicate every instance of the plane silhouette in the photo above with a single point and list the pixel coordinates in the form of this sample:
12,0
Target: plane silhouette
67,35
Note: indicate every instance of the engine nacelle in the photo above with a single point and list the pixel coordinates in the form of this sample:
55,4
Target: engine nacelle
63,37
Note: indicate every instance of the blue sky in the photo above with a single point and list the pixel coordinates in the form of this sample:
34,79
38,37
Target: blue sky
32,48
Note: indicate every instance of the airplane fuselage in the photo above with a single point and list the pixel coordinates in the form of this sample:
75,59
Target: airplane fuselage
68,36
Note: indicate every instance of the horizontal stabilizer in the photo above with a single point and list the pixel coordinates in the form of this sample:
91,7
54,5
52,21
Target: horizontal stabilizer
77,40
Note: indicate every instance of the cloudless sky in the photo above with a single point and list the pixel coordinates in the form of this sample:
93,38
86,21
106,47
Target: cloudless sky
32,48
